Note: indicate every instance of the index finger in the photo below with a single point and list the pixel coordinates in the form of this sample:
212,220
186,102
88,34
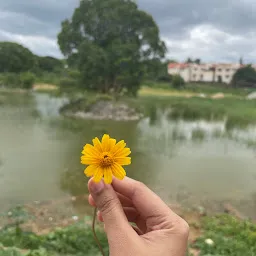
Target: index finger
147,203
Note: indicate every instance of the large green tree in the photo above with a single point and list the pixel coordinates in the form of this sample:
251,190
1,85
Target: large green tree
108,41
15,58
244,77
49,64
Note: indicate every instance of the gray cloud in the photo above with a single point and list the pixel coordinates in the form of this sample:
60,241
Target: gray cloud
211,30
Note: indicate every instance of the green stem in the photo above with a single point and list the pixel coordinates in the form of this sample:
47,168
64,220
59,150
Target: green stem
94,233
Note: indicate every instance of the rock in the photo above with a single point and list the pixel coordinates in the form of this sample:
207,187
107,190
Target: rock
209,241
251,96
75,218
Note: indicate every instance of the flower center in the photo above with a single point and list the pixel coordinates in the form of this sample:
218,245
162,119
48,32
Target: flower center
106,160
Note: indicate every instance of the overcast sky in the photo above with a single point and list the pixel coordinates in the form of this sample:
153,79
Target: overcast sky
213,30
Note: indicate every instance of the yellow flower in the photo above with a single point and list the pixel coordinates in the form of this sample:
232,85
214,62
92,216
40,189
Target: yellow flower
105,159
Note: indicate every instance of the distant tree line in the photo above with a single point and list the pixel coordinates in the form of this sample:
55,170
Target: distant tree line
109,47
16,58
20,67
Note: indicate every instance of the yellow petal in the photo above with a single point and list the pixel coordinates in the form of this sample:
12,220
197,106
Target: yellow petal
118,171
108,175
112,143
88,160
123,160
98,175
90,150
123,152
119,146
105,143
97,144
90,170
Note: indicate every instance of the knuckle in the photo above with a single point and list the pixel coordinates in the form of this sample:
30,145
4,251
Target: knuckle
108,204
183,227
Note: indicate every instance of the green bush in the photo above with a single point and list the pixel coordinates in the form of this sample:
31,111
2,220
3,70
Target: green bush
27,80
68,82
10,79
73,73
177,81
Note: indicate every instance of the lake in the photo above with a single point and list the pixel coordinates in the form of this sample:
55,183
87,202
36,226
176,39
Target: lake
192,163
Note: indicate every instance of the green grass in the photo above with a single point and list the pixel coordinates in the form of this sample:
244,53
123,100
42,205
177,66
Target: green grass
238,112
165,88
74,240
231,237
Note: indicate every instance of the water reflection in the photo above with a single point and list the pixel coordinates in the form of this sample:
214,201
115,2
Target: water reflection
195,162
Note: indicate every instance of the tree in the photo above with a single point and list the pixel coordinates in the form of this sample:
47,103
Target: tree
244,77
177,81
189,60
15,58
49,64
108,41
27,80
196,61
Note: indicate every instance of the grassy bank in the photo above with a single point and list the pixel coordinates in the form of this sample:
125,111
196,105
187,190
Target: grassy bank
238,112
165,89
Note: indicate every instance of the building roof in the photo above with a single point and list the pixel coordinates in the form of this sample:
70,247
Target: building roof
178,65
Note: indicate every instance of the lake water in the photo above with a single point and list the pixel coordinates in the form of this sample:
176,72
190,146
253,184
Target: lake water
191,163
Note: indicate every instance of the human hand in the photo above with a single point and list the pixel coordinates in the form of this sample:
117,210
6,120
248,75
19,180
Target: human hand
160,232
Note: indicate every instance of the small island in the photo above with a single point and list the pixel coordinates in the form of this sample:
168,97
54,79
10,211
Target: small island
101,109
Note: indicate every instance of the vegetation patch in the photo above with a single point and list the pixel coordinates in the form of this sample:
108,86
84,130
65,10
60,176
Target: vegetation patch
225,235
74,240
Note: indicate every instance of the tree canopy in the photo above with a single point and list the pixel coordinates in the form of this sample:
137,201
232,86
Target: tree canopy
15,58
108,41
196,61
244,77
49,64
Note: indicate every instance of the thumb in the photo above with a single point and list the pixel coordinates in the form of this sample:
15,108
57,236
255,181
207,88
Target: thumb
106,200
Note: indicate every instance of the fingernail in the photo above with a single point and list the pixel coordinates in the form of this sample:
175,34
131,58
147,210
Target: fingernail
96,188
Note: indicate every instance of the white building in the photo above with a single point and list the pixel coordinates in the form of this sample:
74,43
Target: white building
191,72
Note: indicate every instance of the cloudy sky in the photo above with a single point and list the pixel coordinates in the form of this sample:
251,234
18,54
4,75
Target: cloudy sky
213,30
